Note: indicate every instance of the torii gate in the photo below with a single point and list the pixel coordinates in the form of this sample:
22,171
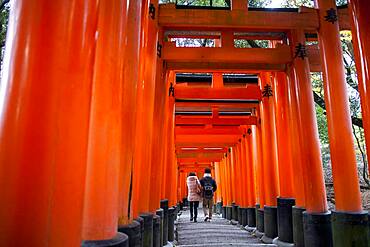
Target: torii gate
90,139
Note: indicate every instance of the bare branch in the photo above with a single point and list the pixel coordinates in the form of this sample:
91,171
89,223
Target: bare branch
253,44
321,102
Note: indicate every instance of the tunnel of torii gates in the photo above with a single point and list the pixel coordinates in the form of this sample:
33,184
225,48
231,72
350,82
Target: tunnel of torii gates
102,117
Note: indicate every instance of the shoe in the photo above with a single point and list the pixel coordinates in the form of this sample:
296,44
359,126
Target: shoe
195,220
206,218
191,218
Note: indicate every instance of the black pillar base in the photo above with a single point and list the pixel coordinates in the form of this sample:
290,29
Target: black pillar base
317,229
141,221
175,213
148,229
156,231
219,208
171,224
350,229
244,217
160,213
298,232
164,206
223,211
120,240
235,212
251,212
133,231
185,202
229,211
270,224
239,216
285,219
260,223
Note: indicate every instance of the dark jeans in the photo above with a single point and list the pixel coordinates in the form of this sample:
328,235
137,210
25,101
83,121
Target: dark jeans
194,209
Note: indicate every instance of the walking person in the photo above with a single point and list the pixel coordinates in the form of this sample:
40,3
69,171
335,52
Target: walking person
194,195
209,187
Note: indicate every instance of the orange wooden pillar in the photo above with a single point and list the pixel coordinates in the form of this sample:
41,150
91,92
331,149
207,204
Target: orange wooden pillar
185,187
316,204
346,184
250,168
258,155
218,181
165,136
145,106
343,158
129,104
225,183
298,160
315,192
228,179
250,186
171,165
269,162
104,148
229,186
222,182
45,97
283,138
239,5
179,186
244,174
244,155
267,125
295,133
236,174
161,93
169,78
286,199
185,175
261,191
199,173
359,10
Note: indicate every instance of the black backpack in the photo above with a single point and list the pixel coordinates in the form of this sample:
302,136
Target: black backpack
208,189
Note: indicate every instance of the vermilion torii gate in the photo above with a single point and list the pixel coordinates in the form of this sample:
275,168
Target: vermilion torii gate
102,117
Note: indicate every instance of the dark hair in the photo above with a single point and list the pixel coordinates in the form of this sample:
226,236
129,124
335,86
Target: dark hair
207,170
192,174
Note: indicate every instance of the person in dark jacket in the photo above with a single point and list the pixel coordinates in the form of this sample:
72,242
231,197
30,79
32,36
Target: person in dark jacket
209,187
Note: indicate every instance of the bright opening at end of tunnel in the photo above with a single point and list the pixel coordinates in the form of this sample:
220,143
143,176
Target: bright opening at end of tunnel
275,4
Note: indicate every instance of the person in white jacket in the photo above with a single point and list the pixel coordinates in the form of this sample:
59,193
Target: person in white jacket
194,195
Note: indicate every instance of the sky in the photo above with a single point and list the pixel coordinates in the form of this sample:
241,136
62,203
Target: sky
275,4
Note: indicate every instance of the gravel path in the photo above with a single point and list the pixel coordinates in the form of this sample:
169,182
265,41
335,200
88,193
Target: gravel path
219,232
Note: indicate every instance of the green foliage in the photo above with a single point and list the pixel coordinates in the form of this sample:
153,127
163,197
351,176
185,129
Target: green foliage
218,3
215,3
259,3
4,15
307,3
241,43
